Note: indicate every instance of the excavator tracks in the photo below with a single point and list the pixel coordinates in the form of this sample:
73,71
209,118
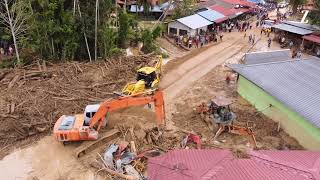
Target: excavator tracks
88,146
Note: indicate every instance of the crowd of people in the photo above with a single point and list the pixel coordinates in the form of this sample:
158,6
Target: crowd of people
198,40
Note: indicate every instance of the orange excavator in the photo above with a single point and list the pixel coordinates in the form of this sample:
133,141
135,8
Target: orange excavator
85,126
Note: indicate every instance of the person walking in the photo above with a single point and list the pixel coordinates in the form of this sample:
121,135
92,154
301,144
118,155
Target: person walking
250,38
269,42
299,54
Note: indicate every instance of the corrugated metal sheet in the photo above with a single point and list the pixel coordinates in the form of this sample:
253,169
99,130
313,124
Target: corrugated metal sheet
266,57
185,164
194,21
248,169
312,38
211,15
294,83
303,160
292,29
303,25
222,10
221,165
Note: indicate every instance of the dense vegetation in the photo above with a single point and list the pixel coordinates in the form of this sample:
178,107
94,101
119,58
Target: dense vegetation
65,29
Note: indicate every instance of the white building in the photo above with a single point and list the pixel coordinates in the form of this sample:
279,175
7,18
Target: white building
190,25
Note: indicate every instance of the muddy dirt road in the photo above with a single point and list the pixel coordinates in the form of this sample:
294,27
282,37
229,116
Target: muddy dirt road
41,159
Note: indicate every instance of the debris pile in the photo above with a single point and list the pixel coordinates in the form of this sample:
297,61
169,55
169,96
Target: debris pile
33,97
122,160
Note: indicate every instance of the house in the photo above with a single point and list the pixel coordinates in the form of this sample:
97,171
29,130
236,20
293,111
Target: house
297,28
198,164
189,25
213,16
288,92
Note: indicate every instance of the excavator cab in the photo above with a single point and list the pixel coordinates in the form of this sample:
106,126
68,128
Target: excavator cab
149,76
220,110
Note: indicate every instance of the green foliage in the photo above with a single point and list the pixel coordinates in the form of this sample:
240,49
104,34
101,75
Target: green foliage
56,31
295,4
148,39
315,14
109,41
184,8
123,29
157,32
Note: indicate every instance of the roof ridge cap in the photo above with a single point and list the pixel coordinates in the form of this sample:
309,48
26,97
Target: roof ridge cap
276,62
279,162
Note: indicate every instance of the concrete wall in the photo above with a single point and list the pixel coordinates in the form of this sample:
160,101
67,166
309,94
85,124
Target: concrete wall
296,126
178,26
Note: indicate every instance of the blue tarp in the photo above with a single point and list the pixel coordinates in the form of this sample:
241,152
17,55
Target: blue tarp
257,1
211,15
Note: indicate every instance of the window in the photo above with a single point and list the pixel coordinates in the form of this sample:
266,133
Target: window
88,114
183,32
93,113
173,30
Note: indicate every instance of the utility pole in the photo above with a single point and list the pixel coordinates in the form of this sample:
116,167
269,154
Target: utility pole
96,31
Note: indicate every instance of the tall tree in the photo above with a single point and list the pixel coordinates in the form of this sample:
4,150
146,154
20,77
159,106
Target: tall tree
315,14
14,16
295,4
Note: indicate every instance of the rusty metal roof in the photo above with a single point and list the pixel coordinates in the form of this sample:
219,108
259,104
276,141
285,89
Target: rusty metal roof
220,164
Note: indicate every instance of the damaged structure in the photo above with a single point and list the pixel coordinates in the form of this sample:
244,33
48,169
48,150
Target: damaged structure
287,91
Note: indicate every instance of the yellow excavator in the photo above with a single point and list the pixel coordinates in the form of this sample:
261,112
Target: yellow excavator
148,78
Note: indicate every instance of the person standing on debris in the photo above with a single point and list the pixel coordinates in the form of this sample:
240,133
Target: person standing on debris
253,39
269,42
250,38
221,36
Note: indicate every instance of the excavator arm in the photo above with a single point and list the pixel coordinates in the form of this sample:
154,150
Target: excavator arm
128,101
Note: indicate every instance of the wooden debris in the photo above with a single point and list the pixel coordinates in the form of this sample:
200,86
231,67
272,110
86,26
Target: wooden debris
120,175
133,147
13,81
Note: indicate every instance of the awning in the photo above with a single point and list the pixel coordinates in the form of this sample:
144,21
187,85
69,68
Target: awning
194,21
221,20
292,29
312,38
211,15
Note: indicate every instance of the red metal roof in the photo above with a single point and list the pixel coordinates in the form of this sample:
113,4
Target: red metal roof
220,164
185,164
241,2
312,38
222,10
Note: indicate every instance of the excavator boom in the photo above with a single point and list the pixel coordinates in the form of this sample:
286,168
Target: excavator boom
127,101
73,128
